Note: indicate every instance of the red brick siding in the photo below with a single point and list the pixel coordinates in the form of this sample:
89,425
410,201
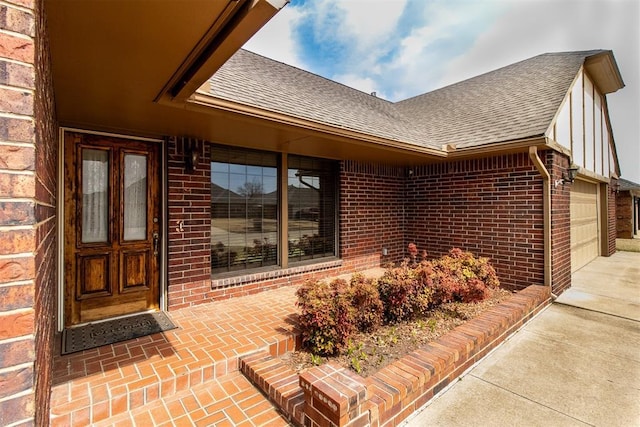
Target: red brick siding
624,215
26,213
557,164
189,271
611,217
491,207
371,214
46,236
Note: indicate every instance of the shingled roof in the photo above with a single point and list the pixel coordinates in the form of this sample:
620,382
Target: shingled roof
626,185
515,102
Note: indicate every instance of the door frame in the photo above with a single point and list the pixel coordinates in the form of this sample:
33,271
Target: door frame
60,211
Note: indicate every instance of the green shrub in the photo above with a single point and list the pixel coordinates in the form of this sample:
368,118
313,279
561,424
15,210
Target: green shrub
327,318
365,299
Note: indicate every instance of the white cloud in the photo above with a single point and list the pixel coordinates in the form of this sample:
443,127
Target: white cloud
364,84
275,40
526,29
370,21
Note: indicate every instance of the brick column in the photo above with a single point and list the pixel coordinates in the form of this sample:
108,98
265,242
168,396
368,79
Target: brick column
28,158
334,396
17,232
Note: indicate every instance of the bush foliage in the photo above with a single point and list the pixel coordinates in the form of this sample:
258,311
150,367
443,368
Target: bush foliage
332,312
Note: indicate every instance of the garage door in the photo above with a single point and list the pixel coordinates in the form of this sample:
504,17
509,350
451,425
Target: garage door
584,224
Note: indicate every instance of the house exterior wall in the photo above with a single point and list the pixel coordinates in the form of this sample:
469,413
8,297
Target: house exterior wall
189,219
28,135
490,206
624,215
558,164
371,214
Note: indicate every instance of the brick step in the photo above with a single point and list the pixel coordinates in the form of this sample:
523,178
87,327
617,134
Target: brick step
277,381
229,400
89,397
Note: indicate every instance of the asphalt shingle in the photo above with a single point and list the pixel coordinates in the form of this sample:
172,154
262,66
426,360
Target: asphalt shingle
512,103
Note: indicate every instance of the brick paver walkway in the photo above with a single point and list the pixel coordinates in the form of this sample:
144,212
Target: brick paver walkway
187,376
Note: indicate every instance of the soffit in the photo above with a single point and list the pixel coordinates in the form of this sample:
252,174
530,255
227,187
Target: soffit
112,60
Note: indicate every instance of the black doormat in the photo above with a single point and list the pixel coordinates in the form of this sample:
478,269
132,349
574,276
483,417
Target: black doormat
103,333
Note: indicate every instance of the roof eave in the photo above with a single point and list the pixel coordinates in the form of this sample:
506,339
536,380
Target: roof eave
217,47
500,147
202,102
603,68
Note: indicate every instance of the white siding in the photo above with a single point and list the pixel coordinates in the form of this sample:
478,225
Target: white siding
589,142
598,136
608,155
581,126
577,134
563,122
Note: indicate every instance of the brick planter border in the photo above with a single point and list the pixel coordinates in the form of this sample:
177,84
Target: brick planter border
335,396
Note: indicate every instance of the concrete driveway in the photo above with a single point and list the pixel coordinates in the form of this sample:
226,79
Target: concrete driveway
576,364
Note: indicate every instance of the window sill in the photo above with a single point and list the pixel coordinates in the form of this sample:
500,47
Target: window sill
271,273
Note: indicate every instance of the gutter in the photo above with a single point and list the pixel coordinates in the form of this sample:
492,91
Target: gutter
546,198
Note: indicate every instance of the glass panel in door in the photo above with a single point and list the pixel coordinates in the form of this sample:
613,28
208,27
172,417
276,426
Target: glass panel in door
135,197
95,196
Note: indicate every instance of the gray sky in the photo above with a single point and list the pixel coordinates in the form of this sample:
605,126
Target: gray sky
402,48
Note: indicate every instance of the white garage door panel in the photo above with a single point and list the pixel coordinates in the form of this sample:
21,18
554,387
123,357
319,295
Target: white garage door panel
584,224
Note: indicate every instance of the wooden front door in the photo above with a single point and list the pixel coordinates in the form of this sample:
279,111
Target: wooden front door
112,227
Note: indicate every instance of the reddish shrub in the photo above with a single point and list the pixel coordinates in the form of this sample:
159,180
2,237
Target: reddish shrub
365,299
327,318
460,276
405,291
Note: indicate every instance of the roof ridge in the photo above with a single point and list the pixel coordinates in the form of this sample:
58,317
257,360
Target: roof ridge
314,75
584,53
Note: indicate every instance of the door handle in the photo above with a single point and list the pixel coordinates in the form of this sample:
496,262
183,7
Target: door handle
156,243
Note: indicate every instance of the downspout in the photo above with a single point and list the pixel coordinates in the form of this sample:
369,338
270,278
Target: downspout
546,207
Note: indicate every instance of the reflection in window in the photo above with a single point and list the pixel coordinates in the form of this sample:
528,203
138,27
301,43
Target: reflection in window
312,208
244,226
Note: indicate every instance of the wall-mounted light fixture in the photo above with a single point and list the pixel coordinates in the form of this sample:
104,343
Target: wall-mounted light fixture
615,186
191,154
569,176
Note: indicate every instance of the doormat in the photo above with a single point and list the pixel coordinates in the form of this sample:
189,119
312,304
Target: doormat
98,334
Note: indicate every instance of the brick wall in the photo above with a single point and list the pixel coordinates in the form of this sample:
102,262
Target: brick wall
557,164
611,218
371,214
491,207
624,215
46,236
27,195
189,206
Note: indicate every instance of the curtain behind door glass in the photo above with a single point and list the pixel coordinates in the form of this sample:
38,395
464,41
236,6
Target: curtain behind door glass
95,197
135,197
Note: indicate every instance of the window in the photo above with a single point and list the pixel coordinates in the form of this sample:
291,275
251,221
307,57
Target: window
311,195
246,195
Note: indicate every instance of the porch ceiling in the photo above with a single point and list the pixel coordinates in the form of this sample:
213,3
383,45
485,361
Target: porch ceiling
128,66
